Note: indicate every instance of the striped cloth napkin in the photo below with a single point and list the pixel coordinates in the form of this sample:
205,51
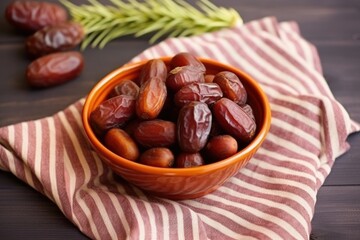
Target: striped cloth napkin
273,197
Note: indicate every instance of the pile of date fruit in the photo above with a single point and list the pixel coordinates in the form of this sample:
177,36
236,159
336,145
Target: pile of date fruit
50,37
175,115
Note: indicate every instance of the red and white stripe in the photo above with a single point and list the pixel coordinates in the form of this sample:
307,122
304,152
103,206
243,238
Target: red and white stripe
273,197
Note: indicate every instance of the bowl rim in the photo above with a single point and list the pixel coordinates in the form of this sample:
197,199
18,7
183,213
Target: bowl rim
204,169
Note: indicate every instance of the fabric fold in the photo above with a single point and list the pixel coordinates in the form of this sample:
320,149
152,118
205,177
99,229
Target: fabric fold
272,197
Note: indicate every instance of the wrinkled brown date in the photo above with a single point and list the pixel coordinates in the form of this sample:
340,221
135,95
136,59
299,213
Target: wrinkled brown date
234,120
151,98
231,86
153,68
186,59
157,157
54,69
111,113
30,16
60,37
202,92
221,147
182,76
193,126
186,160
126,87
119,142
155,133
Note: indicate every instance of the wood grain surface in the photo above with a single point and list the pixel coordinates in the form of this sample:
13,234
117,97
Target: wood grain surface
333,26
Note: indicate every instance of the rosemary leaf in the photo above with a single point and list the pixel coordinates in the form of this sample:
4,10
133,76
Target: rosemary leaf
89,38
156,26
166,29
172,18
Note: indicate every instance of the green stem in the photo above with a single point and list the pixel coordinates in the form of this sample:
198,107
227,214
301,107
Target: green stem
103,23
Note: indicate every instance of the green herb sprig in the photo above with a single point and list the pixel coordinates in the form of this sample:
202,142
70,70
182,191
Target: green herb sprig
171,18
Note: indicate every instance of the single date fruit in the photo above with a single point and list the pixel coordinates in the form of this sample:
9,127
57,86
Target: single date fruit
157,157
119,142
155,133
126,87
30,16
234,120
202,92
186,59
60,37
231,86
54,69
187,160
153,68
221,147
182,76
151,98
193,126
111,113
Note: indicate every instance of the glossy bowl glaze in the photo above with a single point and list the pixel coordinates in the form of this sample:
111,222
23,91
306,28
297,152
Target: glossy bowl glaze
178,183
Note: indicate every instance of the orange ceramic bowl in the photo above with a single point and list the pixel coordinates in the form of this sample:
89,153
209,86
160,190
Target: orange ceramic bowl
178,183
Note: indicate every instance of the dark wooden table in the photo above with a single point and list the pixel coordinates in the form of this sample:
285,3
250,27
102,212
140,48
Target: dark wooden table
332,25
